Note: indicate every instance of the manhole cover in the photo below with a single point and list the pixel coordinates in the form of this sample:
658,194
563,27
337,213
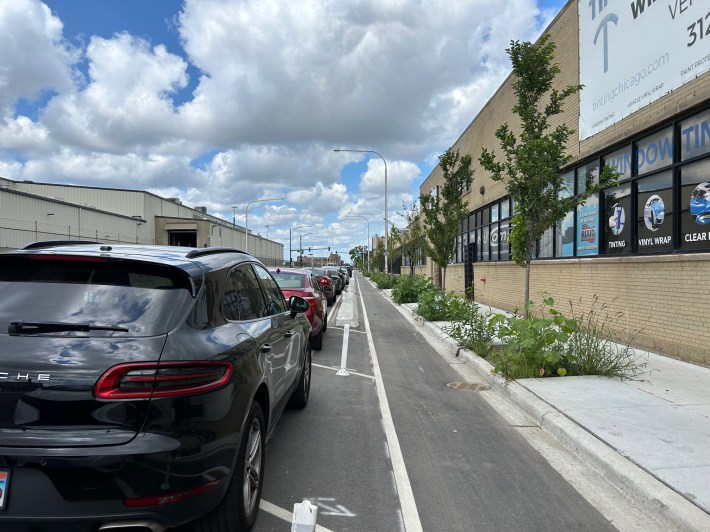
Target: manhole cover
469,386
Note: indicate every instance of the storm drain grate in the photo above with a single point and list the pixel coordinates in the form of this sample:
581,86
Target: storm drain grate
469,386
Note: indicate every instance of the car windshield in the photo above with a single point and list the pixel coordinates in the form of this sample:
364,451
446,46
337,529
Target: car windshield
288,279
126,298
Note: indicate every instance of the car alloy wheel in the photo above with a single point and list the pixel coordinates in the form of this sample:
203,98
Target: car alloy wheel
253,465
299,399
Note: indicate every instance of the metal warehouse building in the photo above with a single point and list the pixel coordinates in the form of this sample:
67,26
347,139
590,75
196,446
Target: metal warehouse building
643,247
31,212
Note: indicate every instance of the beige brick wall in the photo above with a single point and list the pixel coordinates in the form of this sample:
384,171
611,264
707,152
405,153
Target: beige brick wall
664,296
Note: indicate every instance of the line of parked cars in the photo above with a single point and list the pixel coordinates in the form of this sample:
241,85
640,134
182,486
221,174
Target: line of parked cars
320,287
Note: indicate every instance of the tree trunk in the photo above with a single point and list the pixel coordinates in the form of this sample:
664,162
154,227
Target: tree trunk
527,288
443,280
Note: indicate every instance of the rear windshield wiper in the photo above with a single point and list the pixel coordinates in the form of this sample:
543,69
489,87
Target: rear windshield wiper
38,327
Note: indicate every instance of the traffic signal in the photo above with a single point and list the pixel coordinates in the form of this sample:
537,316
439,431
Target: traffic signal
309,249
328,248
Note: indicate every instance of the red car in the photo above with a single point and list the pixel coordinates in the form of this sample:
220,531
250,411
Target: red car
326,283
303,283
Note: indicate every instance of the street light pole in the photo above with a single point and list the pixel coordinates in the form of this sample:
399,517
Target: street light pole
368,235
300,247
386,217
246,219
290,246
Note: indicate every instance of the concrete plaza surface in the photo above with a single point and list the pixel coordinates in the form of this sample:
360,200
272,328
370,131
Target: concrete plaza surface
649,436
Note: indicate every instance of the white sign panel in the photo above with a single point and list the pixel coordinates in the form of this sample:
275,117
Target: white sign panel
632,52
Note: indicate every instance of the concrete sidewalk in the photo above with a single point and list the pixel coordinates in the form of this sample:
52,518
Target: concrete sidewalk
650,437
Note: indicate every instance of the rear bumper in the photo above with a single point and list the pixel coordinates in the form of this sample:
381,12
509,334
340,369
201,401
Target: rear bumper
82,493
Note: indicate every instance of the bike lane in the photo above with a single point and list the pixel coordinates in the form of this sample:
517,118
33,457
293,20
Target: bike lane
467,467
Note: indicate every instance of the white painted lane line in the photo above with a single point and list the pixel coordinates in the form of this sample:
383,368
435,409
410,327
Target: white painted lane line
284,514
349,371
410,514
335,327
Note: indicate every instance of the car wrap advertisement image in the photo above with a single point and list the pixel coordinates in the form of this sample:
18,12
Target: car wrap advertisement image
617,229
622,69
695,206
655,224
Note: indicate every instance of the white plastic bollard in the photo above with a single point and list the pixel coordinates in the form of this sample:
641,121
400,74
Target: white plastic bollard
343,371
304,517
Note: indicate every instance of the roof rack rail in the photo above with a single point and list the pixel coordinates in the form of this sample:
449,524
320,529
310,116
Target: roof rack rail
201,252
49,243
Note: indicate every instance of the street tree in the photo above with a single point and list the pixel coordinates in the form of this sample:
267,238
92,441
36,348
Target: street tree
531,163
443,211
358,255
377,257
409,240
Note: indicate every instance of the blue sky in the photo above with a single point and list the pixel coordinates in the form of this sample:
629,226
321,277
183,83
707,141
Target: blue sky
221,102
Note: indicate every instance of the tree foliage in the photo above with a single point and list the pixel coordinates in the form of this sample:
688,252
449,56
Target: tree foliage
358,255
443,213
532,162
409,240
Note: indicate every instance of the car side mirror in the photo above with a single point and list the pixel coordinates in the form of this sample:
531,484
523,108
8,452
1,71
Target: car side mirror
297,305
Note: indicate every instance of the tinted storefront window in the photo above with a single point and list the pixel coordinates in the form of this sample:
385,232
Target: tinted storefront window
503,241
564,229
565,236
546,244
695,136
695,206
655,151
620,160
485,250
587,242
654,203
617,220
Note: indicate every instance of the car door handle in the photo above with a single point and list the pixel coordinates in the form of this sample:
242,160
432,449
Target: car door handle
288,334
266,348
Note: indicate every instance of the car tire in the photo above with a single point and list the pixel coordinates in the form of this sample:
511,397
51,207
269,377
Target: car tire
317,341
325,322
238,509
300,396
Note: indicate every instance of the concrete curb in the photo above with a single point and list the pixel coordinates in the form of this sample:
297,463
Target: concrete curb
667,506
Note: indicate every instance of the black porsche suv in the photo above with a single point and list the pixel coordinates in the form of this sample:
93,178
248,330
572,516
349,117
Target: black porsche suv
139,385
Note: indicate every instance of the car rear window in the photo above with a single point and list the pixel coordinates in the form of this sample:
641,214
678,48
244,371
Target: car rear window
289,280
144,298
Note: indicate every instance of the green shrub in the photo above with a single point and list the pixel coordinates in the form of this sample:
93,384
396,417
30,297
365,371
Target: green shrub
551,344
534,346
470,330
383,280
591,349
407,288
435,306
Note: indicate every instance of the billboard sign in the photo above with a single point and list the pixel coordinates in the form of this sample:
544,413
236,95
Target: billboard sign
633,52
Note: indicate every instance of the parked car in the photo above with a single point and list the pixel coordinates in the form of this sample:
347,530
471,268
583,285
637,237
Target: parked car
337,277
301,282
326,283
346,274
140,385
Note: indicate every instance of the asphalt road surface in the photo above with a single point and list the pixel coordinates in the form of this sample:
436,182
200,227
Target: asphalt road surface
391,447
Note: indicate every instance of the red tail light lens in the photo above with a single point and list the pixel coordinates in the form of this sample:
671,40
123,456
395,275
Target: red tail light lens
143,380
157,500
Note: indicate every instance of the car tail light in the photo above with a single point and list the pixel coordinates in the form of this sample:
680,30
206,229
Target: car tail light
143,380
157,500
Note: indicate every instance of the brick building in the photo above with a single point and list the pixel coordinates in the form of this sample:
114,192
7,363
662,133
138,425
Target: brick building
642,248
